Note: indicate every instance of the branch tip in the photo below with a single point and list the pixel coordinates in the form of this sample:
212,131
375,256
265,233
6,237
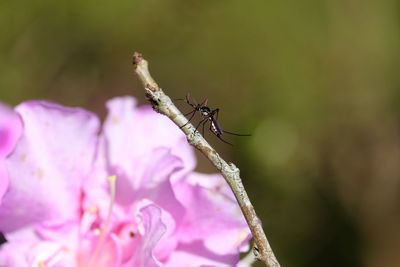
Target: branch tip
137,57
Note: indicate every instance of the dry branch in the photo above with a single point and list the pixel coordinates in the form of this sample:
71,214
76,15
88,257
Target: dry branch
163,104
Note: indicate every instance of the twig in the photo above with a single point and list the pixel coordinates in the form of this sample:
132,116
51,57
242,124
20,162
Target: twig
163,104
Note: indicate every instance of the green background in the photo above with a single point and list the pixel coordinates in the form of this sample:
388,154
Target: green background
316,83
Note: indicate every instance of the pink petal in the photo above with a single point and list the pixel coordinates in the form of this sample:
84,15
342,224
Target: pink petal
13,254
25,248
153,229
49,164
212,216
153,184
106,254
3,179
152,169
65,232
132,132
96,188
196,254
10,130
173,214
35,253
50,254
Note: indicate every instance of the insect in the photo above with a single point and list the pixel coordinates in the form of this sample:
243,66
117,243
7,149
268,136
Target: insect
208,115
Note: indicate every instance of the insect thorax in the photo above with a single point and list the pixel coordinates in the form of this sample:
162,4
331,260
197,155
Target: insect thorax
205,111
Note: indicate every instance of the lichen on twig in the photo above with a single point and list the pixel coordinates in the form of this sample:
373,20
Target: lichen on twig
163,104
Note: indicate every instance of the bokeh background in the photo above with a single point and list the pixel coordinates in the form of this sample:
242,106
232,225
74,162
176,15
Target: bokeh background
315,82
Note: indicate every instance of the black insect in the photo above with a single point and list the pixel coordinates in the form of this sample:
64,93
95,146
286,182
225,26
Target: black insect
208,115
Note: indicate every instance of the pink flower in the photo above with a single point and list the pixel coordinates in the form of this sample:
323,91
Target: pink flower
127,196
10,131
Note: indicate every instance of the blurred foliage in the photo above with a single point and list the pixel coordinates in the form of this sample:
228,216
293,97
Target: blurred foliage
316,82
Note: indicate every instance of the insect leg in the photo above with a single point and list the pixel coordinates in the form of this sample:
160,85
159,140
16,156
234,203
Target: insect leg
216,111
202,121
219,136
190,112
191,101
193,112
236,133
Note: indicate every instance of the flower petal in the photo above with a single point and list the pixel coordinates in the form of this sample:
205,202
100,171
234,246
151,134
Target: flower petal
29,252
14,254
10,130
100,253
212,215
48,165
153,229
132,132
3,179
196,254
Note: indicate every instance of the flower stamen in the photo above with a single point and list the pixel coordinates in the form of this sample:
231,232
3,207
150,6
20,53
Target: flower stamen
55,258
102,231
